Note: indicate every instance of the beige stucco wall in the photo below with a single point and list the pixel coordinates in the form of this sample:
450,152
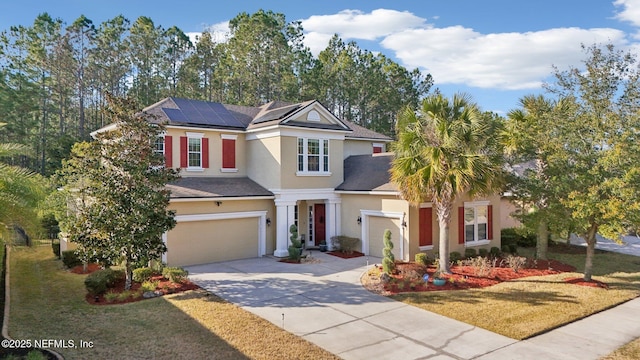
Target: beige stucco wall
506,209
263,160
357,147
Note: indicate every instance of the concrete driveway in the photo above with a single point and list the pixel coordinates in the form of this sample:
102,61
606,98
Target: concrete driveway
324,303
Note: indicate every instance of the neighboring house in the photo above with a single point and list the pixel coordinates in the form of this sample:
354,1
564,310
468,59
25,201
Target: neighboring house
248,173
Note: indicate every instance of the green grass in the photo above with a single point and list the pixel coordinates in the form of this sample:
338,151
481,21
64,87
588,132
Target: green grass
630,351
47,302
528,306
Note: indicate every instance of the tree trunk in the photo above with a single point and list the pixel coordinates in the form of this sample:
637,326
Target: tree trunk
591,246
443,247
443,211
129,275
543,240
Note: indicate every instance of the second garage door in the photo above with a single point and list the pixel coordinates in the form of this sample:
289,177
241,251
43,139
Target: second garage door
377,226
201,242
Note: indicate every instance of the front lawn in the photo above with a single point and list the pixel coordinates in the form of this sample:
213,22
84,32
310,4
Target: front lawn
525,307
48,302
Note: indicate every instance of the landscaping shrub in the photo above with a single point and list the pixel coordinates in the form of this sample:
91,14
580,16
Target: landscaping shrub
516,262
495,251
520,236
175,274
422,258
55,246
470,252
483,252
295,249
345,244
455,256
149,285
388,260
142,274
482,266
513,248
70,259
99,281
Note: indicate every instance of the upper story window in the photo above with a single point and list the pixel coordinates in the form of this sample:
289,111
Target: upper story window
194,151
313,156
158,145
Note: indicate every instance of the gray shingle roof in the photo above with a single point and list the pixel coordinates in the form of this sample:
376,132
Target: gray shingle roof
216,187
368,173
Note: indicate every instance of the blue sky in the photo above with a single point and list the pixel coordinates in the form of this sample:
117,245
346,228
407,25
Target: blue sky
495,50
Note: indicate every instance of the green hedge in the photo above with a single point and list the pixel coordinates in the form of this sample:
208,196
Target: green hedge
70,259
99,281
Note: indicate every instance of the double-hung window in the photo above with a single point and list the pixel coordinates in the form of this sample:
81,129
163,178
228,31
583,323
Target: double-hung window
158,145
194,150
313,156
477,219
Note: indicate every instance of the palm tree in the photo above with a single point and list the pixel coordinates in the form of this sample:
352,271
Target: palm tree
443,151
20,192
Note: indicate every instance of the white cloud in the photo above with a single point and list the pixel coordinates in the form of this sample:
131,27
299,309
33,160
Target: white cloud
512,61
219,32
460,55
354,24
630,11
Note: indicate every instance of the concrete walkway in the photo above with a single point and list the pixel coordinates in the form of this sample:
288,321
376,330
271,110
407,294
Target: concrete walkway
325,303
629,245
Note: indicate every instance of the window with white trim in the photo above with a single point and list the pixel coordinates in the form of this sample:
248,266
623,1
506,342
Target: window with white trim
476,223
313,155
158,145
194,152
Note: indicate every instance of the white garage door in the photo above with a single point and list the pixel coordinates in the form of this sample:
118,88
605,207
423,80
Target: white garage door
201,242
377,226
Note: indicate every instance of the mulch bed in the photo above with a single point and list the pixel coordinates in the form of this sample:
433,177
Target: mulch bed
343,255
582,282
164,287
408,277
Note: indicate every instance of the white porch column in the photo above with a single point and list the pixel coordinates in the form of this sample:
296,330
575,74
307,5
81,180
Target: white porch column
332,215
284,219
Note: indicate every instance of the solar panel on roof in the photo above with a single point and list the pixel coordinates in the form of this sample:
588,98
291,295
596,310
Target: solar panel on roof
175,115
202,113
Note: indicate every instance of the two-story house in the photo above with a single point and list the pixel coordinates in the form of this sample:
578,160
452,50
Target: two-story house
248,173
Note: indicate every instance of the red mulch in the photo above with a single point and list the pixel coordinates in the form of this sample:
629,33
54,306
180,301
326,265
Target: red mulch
462,277
164,286
343,255
90,268
582,282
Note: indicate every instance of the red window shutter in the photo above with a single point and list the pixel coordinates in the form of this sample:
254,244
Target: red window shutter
490,222
205,153
228,154
183,152
426,226
168,151
461,225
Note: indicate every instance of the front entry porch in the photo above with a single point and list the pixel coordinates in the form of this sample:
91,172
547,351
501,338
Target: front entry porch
315,212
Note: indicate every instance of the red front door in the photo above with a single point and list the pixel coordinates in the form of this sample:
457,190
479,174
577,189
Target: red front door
319,223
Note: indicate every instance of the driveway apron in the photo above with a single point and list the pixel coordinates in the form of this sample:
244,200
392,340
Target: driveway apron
324,302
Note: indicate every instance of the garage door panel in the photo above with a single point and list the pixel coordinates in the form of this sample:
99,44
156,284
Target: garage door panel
200,242
377,226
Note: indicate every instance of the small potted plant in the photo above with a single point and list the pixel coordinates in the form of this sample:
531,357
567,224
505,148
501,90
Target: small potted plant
438,280
323,246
